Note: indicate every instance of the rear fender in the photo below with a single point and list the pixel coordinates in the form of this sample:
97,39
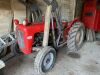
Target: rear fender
69,25
72,23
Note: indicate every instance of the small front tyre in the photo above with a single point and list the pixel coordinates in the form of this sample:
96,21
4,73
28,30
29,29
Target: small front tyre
45,60
15,49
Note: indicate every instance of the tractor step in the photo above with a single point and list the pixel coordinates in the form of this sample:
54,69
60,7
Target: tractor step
7,40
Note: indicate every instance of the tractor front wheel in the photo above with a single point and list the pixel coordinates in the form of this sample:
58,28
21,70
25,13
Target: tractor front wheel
15,48
76,37
45,60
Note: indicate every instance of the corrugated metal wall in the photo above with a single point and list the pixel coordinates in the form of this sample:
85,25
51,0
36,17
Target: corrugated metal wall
10,8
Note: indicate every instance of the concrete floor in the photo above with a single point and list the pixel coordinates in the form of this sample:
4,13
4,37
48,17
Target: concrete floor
87,62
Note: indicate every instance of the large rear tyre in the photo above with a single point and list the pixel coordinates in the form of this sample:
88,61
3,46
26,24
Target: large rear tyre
45,60
76,37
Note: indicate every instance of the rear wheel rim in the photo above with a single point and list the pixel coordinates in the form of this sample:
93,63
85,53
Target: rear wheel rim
79,37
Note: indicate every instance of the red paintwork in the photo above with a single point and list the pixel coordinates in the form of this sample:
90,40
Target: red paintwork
31,30
91,22
68,26
34,28
16,22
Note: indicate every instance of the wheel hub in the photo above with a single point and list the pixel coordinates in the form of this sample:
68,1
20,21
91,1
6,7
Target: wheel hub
79,37
48,60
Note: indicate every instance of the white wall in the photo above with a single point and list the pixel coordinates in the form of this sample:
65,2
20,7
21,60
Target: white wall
5,16
8,8
67,8
19,10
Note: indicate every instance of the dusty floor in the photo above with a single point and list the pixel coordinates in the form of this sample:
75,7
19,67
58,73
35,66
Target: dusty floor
86,63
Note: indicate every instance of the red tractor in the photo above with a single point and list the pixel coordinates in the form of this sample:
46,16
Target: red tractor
47,36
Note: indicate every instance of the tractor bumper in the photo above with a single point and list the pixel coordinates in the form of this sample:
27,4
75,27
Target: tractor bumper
2,64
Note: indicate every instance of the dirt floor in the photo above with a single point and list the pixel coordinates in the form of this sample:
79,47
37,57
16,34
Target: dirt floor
86,62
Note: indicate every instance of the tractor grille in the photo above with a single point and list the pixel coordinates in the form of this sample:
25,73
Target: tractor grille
20,39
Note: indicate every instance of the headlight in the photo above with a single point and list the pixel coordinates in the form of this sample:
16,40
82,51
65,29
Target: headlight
25,22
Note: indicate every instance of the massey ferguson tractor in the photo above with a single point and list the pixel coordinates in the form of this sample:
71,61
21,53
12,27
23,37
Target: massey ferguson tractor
47,36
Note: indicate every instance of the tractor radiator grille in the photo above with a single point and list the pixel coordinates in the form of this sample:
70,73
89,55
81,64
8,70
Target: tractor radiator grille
20,39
